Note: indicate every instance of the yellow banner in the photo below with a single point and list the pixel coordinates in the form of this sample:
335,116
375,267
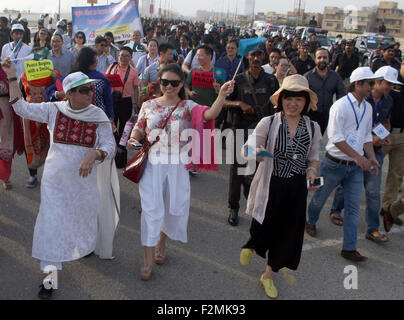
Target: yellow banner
123,28
36,70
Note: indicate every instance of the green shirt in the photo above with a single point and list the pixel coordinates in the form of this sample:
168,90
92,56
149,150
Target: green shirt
206,96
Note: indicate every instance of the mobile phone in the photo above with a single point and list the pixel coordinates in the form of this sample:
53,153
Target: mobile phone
318,182
137,146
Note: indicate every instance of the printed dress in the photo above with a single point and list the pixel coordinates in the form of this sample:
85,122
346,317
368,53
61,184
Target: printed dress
66,226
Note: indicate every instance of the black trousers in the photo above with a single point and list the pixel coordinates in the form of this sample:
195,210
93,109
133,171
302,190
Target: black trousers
237,181
123,111
282,231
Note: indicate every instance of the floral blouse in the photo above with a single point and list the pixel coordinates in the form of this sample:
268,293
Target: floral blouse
152,117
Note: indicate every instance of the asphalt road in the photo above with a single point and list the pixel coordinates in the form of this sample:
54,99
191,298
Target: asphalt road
205,268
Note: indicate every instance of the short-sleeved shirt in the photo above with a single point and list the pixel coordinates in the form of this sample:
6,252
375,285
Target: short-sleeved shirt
206,96
303,66
151,74
194,61
152,116
230,66
130,83
103,62
144,62
21,52
63,63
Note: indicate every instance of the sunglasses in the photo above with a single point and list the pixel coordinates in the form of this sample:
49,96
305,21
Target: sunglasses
83,90
174,83
79,37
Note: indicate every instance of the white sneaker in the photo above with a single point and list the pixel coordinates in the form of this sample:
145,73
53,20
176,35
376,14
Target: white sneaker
32,182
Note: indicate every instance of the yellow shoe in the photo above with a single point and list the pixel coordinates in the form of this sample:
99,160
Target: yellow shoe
245,256
269,287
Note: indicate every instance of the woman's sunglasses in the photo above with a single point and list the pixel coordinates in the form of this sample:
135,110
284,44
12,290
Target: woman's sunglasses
83,90
174,83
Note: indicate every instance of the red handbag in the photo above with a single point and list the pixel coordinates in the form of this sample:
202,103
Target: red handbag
135,167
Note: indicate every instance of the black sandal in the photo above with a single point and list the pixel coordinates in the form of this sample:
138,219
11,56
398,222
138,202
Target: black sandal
382,238
337,219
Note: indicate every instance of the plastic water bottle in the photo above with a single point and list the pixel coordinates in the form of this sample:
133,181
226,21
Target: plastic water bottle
127,130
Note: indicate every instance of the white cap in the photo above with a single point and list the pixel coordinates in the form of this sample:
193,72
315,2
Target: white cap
389,74
76,79
60,23
363,73
17,26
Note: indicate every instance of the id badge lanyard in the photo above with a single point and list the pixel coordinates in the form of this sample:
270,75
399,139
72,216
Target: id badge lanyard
358,122
378,108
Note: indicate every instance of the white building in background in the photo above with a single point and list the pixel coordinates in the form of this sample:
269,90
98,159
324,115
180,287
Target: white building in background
248,7
145,8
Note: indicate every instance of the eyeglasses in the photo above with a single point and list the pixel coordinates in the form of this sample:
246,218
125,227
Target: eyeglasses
125,56
102,44
83,90
166,82
80,37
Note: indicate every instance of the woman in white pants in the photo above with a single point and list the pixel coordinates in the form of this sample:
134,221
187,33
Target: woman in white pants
165,187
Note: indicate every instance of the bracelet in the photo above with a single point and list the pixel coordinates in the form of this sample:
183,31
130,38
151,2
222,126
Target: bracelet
311,168
102,155
12,79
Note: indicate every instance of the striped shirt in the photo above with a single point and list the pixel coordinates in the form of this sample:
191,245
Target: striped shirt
291,154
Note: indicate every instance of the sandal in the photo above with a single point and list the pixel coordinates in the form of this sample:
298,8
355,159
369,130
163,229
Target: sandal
145,272
381,238
160,256
336,219
7,185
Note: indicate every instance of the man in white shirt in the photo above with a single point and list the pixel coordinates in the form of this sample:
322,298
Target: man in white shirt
349,139
191,61
138,48
23,50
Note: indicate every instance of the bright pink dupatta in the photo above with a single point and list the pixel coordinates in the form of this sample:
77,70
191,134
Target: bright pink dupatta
205,159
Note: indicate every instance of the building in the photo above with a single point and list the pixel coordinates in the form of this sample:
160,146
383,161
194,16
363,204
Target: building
333,19
248,7
393,17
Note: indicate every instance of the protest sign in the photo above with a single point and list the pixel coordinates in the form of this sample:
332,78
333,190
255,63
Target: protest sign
202,79
115,80
119,18
36,70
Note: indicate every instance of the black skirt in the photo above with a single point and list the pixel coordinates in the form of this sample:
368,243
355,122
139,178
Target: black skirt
282,231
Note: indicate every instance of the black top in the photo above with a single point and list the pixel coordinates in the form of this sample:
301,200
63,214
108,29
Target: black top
384,113
345,65
397,112
291,53
314,45
325,88
380,62
264,87
291,154
303,66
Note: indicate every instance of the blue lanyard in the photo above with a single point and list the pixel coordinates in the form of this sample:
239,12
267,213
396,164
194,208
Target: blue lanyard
378,108
15,53
358,123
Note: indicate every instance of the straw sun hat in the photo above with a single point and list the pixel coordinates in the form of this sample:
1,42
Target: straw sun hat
296,83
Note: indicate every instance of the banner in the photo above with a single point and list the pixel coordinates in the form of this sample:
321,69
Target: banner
202,79
115,80
119,18
36,70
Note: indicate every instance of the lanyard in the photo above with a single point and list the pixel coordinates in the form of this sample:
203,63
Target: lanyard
15,53
358,122
378,108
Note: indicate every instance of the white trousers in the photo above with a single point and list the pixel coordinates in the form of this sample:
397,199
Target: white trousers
165,194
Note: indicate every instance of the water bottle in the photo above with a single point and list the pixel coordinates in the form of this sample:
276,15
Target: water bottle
127,130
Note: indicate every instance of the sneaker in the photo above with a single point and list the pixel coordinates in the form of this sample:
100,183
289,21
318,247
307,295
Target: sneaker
32,182
44,294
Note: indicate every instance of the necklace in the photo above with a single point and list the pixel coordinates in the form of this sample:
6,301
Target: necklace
294,156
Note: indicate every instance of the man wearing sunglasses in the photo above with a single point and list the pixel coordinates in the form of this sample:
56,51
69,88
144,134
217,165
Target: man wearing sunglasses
103,60
76,188
349,153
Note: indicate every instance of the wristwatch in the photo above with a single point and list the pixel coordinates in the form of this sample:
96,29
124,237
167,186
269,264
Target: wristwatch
12,79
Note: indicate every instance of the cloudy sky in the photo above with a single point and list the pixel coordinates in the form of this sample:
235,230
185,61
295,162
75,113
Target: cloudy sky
189,7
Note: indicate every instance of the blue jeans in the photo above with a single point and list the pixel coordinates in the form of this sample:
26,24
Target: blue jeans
351,178
372,185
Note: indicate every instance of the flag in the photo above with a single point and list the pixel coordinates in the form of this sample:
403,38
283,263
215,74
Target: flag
220,74
247,45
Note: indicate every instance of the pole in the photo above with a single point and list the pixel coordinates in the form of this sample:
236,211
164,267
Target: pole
59,10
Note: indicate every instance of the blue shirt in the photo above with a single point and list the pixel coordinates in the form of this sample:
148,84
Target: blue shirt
229,66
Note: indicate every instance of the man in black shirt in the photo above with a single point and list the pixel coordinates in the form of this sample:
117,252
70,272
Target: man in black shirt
397,52
303,63
314,44
4,32
346,62
249,103
325,83
387,59
293,51
395,151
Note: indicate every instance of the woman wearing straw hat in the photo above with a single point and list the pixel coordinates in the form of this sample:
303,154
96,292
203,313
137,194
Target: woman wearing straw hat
277,199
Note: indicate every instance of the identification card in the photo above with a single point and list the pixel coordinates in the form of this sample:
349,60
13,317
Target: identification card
380,131
354,141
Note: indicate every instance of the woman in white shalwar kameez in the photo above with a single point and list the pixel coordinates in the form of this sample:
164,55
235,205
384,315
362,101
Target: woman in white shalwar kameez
66,228
164,187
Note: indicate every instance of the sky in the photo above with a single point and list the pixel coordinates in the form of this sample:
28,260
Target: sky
189,7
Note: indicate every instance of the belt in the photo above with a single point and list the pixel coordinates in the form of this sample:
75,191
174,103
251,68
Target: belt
339,161
397,130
